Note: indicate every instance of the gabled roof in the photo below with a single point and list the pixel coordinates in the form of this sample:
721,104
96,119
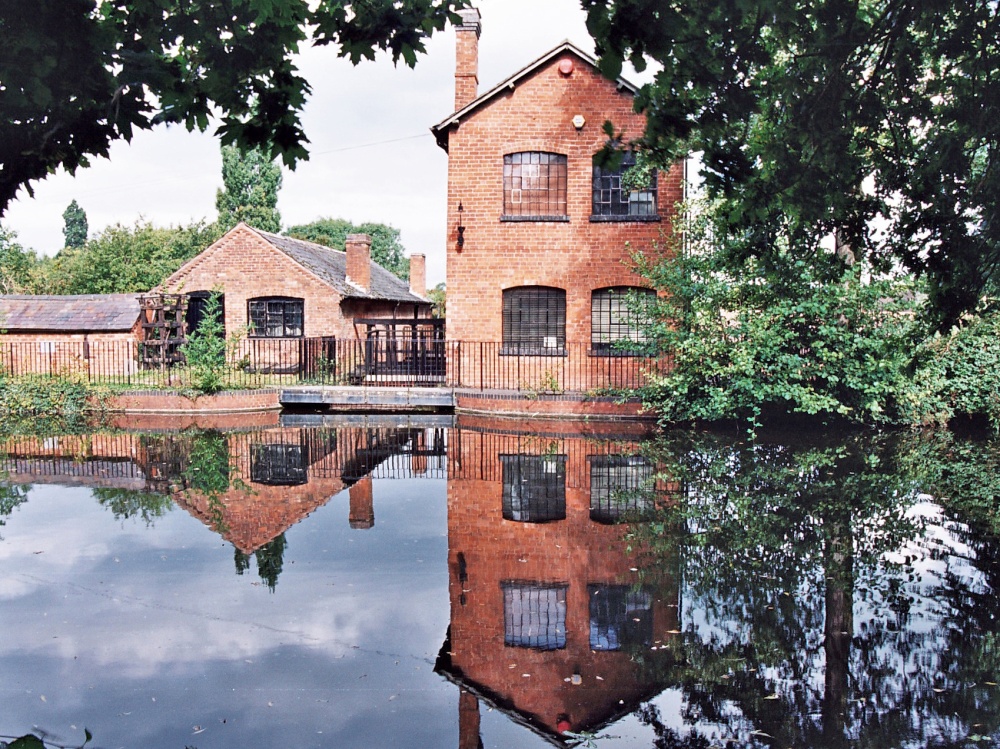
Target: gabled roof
80,313
440,130
330,266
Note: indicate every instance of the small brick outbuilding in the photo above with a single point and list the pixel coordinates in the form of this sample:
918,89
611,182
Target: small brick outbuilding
278,287
87,333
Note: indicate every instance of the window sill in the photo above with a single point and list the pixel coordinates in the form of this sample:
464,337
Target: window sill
520,219
596,219
618,354
515,351
275,337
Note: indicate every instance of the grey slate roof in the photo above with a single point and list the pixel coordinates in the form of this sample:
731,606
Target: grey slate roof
77,313
331,266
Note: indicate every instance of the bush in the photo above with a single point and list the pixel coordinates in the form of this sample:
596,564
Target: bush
957,374
205,350
795,336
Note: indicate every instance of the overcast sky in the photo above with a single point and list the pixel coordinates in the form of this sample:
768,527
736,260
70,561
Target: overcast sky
372,155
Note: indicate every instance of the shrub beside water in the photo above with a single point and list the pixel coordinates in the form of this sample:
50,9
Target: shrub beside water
67,398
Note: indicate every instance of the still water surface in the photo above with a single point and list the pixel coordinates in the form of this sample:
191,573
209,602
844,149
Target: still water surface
522,585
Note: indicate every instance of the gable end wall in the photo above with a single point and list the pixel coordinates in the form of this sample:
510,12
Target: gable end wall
577,255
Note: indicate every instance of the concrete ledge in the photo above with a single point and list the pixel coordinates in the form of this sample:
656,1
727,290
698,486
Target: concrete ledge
361,398
369,420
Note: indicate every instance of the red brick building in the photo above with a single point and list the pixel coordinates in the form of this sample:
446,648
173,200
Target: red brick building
539,232
89,334
279,287
550,620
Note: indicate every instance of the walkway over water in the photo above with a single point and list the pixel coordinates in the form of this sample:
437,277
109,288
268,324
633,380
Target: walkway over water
399,398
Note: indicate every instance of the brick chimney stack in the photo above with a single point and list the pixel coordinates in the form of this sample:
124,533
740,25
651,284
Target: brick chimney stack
418,274
467,57
359,260
362,504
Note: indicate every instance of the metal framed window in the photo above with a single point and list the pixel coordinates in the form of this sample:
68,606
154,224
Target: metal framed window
621,487
534,321
615,202
619,616
534,615
276,317
534,488
534,186
618,317
278,464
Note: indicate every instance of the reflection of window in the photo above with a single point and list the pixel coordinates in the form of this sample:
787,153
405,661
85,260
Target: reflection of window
534,616
619,616
278,464
534,186
620,486
614,201
277,317
618,316
534,321
534,487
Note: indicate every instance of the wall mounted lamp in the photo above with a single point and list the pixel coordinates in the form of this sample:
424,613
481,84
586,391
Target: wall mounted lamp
461,228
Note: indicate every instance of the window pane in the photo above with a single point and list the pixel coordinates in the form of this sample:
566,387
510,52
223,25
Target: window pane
534,616
534,487
534,320
619,313
621,487
276,317
612,199
619,616
277,464
534,184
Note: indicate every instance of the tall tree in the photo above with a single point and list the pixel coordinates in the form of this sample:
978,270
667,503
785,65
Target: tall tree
124,259
387,249
79,75
75,225
250,194
17,265
872,120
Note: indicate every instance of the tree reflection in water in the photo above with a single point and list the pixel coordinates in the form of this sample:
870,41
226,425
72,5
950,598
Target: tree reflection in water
791,592
827,602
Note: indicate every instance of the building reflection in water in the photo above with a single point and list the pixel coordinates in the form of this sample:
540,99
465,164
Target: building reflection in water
547,607
248,486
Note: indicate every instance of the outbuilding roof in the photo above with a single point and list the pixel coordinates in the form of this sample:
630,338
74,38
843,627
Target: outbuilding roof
80,313
441,129
330,266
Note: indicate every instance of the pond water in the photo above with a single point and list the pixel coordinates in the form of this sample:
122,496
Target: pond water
498,584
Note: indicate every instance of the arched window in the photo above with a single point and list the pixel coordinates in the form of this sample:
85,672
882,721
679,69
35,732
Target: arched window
534,186
618,317
534,488
276,317
613,201
534,321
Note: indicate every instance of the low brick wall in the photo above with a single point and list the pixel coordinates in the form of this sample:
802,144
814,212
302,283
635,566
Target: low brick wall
565,406
163,402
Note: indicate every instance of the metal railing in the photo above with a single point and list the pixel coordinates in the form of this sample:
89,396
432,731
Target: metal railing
413,362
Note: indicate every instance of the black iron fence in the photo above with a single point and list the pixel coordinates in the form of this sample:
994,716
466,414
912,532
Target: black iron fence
413,362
